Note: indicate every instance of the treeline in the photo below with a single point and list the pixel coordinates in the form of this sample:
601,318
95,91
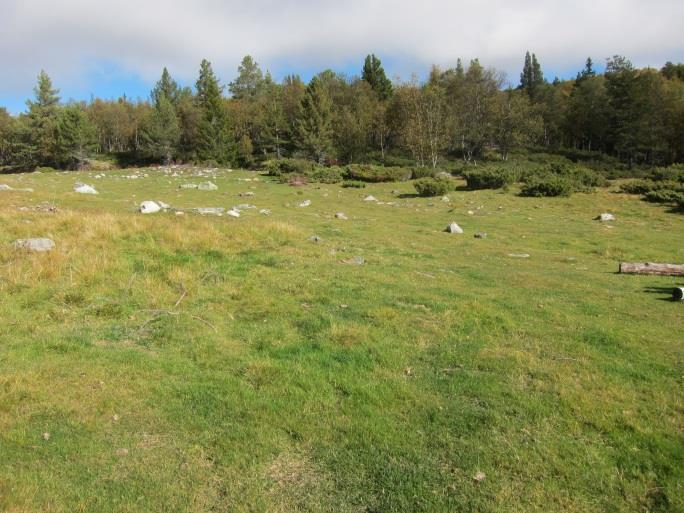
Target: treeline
635,115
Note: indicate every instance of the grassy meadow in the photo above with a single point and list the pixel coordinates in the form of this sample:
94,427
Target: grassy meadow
187,363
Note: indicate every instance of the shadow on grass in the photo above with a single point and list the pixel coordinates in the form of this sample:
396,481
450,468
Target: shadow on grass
664,290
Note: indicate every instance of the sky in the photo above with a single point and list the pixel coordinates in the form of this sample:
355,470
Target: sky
108,48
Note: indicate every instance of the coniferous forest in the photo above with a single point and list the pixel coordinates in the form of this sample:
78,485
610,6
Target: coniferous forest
631,118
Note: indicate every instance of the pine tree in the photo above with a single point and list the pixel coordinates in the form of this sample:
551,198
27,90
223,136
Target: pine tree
531,78
161,131
587,72
166,87
42,122
77,137
374,74
250,80
314,123
212,142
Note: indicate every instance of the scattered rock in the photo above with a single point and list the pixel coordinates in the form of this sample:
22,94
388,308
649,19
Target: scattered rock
341,215
357,260
446,199
315,238
370,198
188,186
247,194
163,205
305,203
149,207
115,418
180,213
471,213
265,212
454,228
604,218
211,211
207,186
5,187
39,245
233,213
244,206
83,188
479,477
519,255
481,235
46,436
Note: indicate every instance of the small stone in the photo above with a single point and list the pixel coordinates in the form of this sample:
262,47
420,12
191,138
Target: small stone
446,199
519,255
341,215
481,235
5,187
180,213
479,477
38,245
605,217
454,228
83,188
163,205
233,213
357,260
305,203
265,212
315,238
370,198
207,186
247,194
216,211
471,213
149,207
46,436
115,418
188,186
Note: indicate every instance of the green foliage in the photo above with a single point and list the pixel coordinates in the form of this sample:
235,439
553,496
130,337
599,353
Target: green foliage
322,174
161,132
423,172
250,80
353,184
376,174
212,140
498,177
314,122
374,74
549,185
76,137
432,186
278,167
166,88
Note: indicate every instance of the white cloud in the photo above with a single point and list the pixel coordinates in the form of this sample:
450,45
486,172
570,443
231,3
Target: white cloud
140,36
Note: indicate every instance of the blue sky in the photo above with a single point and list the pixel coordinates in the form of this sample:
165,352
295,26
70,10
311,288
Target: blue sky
106,49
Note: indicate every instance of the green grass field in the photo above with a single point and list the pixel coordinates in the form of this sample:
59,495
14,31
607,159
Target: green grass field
164,363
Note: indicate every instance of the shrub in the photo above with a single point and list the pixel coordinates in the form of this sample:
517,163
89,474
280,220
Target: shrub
286,166
423,172
547,186
489,178
432,186
370,173
675,197
354,184
325,174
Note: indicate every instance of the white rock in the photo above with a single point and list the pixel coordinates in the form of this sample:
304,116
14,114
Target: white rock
83,188
163,205
216,211
233,213
207,186
39,245
265,211
305,203
454,228
188,186
149,207
370,198
446,199
341,215
604,218
5,187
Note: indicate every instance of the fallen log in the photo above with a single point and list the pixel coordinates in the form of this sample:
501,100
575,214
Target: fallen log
651,268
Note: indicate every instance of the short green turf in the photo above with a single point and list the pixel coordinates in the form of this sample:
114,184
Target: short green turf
180,363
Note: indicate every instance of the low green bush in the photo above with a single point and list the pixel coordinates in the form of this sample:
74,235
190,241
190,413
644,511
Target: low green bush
423,172
432,186
353,184
375,174
322,174
547,186
278,167
489,178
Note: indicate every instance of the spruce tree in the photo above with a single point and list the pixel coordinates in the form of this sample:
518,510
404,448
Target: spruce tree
42,123
211,132
77,137
374,74
531,78
314,123
161,131
250,80
166,87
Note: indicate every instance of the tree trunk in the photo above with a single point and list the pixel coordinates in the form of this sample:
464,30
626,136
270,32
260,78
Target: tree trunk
650,268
